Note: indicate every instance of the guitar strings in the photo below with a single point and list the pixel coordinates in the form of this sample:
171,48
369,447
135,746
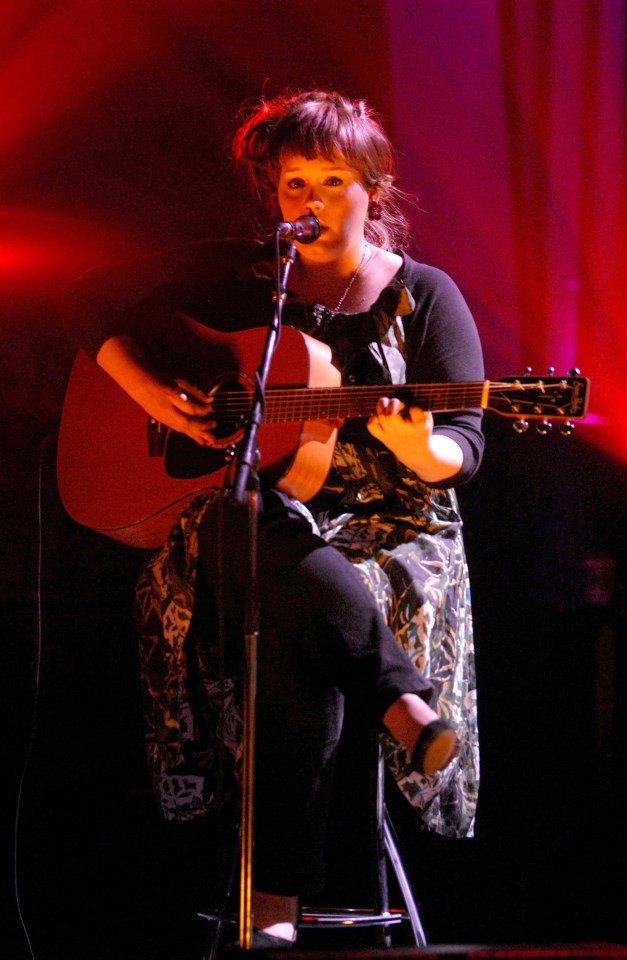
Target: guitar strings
360,400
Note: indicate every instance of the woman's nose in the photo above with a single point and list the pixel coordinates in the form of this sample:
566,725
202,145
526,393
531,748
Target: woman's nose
314,203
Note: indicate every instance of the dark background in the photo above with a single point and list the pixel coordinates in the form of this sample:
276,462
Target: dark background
115,122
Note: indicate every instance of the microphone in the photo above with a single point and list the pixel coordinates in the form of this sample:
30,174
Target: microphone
305,229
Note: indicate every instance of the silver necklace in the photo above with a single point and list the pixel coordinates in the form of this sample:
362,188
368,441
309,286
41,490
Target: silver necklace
320,309
352,280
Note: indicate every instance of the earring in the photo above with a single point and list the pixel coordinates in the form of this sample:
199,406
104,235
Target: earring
375,210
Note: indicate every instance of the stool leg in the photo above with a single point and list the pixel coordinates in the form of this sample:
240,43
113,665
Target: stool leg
397,864
378,860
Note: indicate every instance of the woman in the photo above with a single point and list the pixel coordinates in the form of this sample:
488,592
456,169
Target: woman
390,630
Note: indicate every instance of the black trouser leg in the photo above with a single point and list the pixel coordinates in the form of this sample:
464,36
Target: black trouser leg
321,638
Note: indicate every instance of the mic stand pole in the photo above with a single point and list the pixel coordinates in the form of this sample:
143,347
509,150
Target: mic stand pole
245,491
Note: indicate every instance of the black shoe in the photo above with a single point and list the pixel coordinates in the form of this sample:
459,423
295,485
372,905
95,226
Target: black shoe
437,746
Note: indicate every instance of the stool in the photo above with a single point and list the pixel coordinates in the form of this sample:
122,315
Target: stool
382,853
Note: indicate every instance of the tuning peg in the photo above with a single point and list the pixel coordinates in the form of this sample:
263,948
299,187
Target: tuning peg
550,371
544,427
527,371
567,428
520,426
574,372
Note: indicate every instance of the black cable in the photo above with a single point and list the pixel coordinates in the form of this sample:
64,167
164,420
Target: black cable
37,680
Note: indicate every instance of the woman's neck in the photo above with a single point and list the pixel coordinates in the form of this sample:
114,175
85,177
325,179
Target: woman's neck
341,267
328,281
355,286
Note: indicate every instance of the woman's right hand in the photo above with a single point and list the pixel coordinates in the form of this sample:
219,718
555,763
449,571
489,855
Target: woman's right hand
177,404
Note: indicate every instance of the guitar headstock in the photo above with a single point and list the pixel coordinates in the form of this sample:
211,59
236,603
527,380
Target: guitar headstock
544,400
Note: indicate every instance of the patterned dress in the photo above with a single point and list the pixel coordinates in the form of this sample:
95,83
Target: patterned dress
405,540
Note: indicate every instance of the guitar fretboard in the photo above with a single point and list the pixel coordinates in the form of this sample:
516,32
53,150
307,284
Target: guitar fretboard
284,404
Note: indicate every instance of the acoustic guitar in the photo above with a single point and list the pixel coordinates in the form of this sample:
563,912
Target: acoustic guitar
126,476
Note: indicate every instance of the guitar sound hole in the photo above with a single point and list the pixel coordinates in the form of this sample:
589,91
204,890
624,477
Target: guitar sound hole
231,403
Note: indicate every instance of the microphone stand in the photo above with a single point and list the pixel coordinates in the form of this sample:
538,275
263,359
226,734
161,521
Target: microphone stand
245,493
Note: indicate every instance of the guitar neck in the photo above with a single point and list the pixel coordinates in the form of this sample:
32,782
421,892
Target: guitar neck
320,403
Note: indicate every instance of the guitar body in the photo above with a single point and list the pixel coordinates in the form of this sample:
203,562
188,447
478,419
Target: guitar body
125,476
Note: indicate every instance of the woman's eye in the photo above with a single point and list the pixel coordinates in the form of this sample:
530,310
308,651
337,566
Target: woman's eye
295,184
334,182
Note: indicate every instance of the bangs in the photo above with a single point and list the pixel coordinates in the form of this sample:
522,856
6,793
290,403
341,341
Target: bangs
320,133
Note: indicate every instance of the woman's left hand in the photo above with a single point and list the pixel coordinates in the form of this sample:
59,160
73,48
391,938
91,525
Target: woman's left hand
398,427
408,433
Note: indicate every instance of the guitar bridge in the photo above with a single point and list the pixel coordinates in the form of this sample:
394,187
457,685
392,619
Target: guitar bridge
156,435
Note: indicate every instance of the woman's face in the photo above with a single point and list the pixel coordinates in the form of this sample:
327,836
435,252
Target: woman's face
333,191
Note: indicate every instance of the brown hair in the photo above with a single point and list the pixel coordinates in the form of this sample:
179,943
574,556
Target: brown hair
320,123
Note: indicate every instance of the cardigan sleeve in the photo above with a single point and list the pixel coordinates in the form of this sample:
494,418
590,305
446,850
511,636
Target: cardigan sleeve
443,346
